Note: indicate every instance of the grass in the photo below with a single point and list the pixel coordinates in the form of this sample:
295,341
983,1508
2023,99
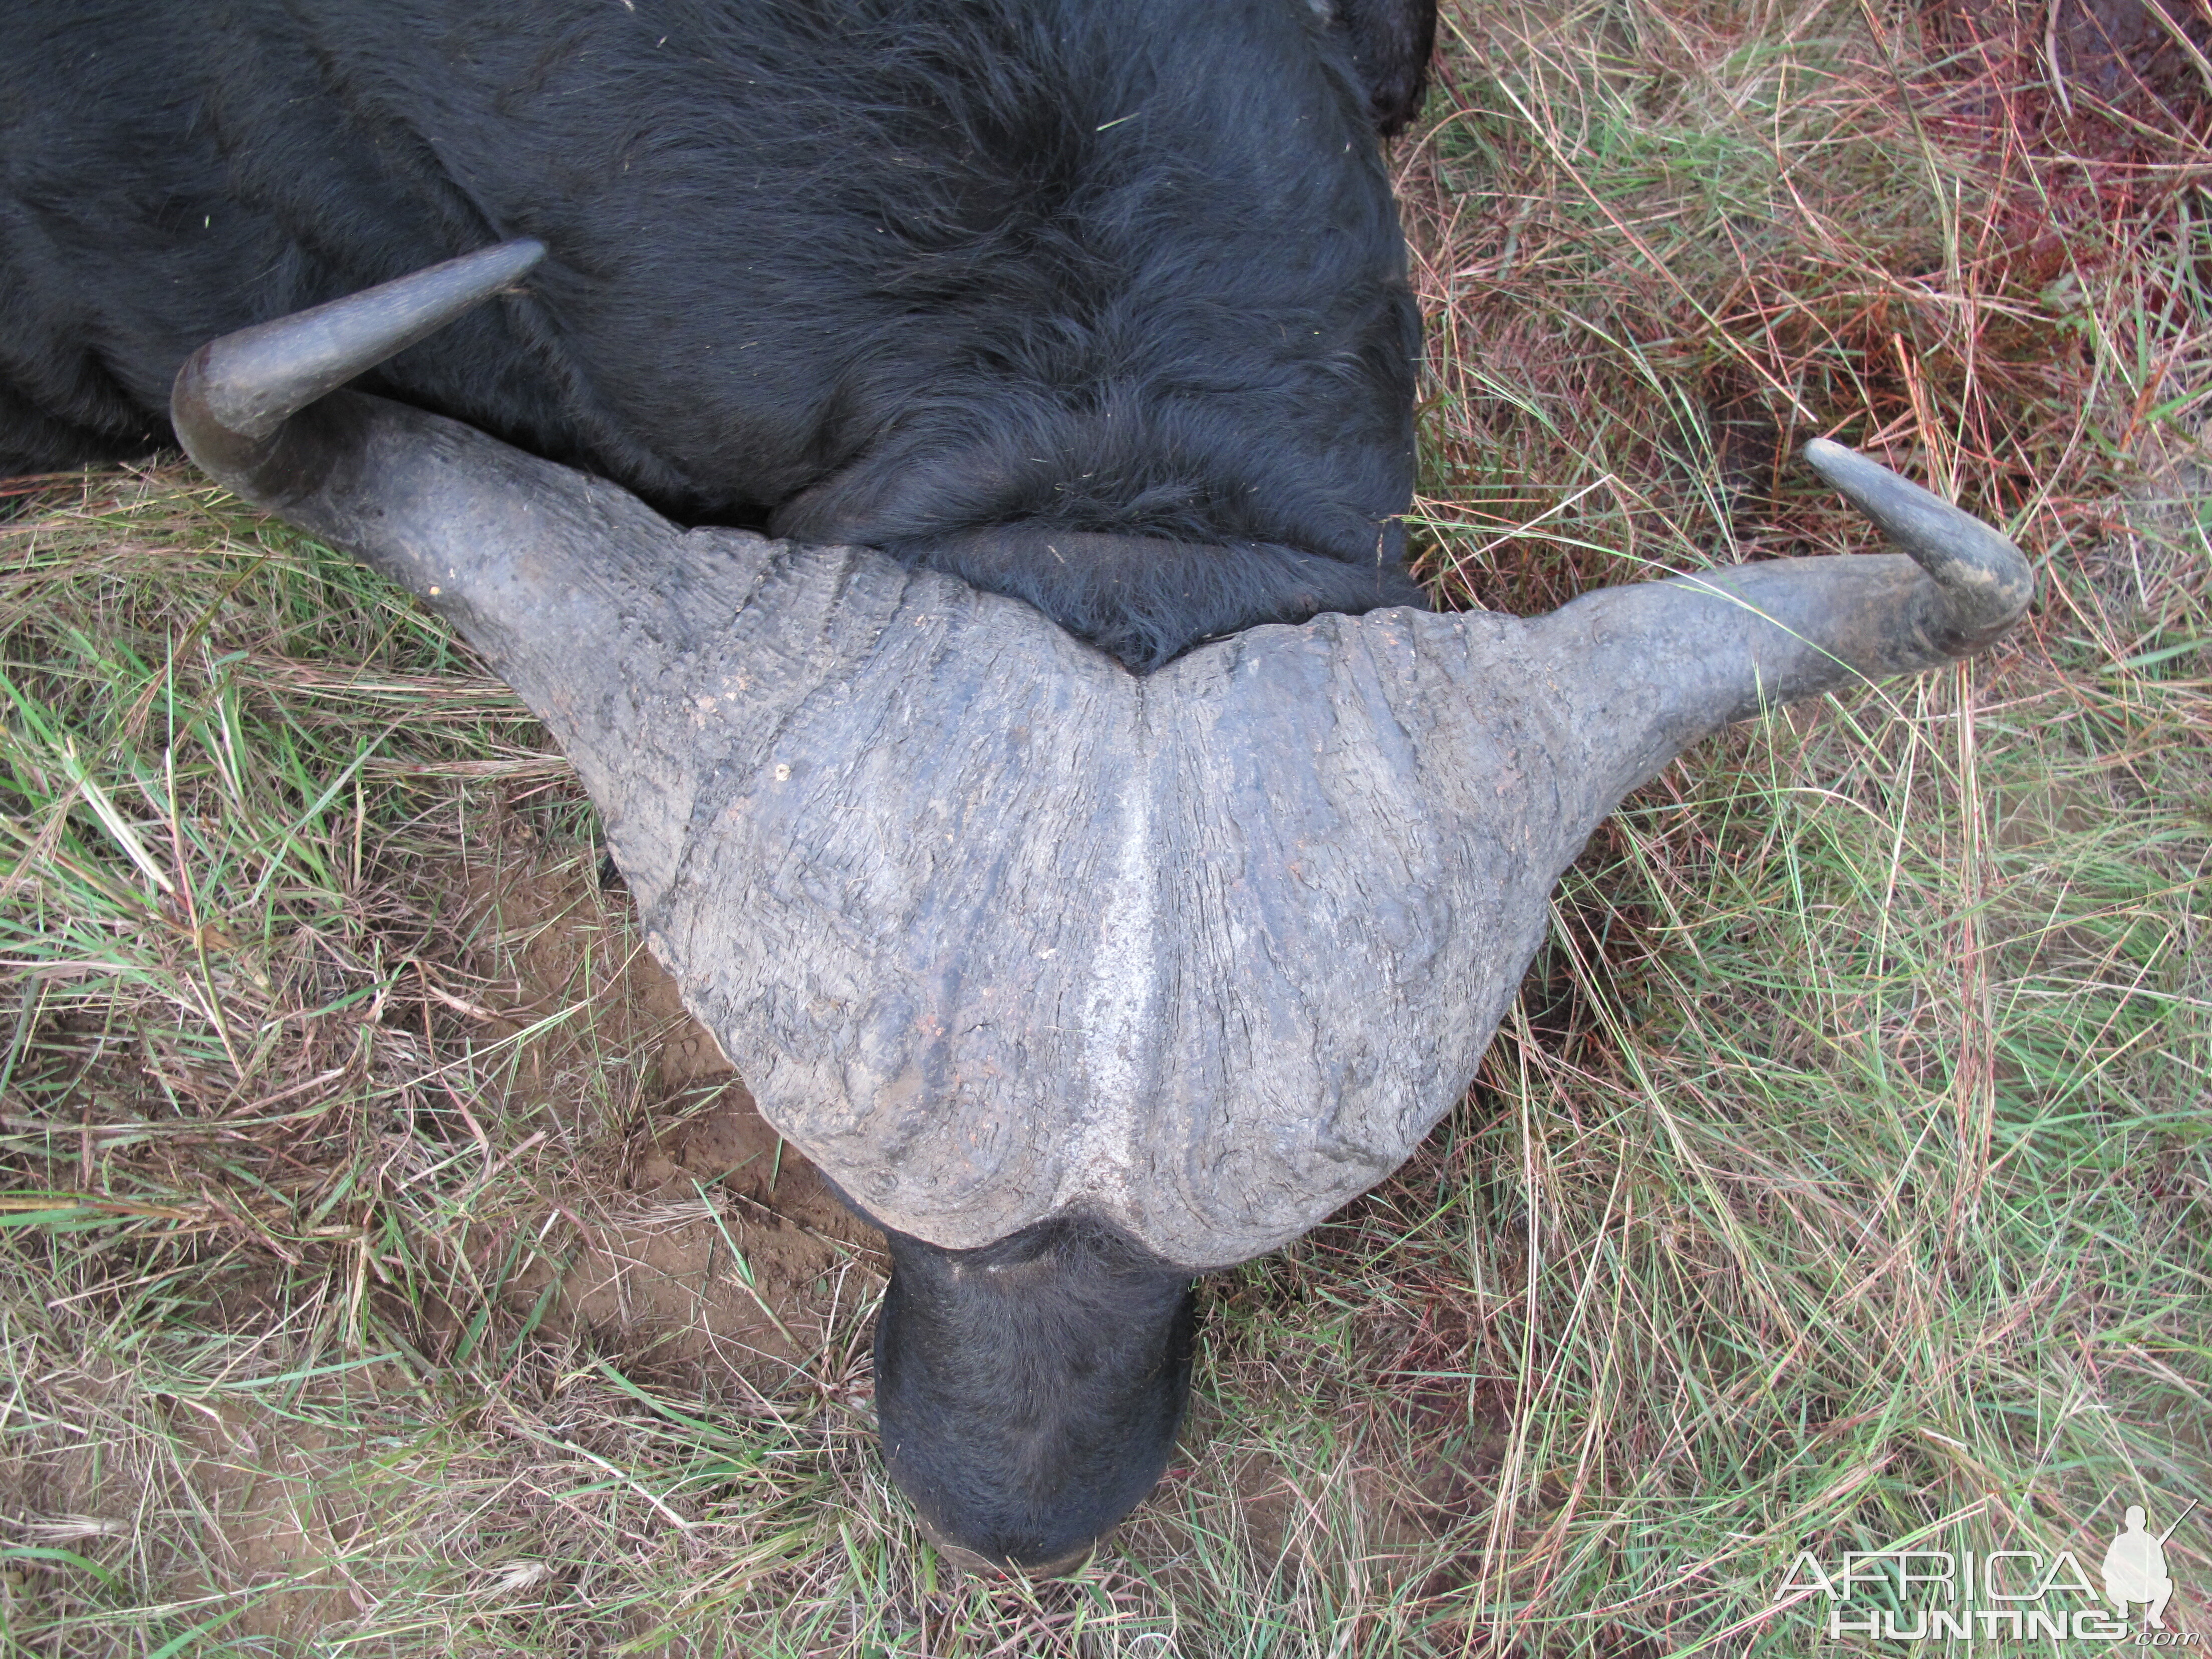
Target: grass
1840,1180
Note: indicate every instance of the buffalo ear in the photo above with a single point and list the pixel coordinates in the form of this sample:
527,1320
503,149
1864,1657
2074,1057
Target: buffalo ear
1390,42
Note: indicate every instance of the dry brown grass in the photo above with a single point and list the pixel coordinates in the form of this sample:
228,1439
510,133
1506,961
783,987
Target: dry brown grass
385,1268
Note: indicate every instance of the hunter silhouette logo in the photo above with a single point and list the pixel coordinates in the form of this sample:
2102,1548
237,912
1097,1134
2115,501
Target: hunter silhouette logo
2135,1567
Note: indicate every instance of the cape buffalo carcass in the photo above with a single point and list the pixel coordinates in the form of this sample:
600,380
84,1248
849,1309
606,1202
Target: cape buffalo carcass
1079,980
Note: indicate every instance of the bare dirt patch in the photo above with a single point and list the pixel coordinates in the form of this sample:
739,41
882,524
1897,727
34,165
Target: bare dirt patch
727,1247
219,1497
2117,45
267,1499
696,1234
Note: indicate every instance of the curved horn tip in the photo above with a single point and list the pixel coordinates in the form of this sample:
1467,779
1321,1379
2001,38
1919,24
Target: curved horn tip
248,383
1986,576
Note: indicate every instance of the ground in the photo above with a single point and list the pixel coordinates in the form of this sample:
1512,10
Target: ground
388,1267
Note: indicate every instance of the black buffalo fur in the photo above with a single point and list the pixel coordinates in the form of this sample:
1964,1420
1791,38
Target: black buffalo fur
902,273
1021,1435
1100,303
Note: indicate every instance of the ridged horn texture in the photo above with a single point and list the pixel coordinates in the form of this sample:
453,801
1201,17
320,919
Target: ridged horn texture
996,930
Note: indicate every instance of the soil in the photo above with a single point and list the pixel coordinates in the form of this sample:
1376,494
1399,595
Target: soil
726,1247
2111,46
2119,52
679,1235
701,1236
269,1507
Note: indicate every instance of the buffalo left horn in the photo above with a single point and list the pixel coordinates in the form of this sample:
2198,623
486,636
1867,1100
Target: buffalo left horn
997,930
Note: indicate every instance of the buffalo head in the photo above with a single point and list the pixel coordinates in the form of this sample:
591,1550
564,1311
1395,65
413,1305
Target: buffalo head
1078,981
